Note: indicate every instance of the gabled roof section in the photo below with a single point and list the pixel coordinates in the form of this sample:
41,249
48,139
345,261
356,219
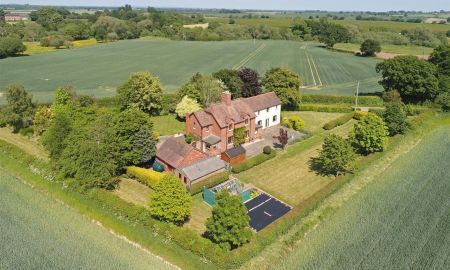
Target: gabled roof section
263,101
204,118
224,114
176,152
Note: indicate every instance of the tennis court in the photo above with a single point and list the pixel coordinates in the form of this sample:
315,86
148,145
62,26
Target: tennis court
265,209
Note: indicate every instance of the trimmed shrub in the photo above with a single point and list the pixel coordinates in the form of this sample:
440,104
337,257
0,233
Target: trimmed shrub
190,138
349,100
326,108
145,176
294,122
338,122
209,182
267,150
253,161
359,114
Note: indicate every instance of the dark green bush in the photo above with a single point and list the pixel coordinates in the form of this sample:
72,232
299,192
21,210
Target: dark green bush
209,182
169,103
267,150
338,122
326,108
253,161
348,100
28,131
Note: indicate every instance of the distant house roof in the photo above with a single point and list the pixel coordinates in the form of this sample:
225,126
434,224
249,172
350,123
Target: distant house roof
235,151
203,168
262,101
176,152
211,139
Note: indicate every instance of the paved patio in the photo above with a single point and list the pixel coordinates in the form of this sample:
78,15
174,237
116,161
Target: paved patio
254,148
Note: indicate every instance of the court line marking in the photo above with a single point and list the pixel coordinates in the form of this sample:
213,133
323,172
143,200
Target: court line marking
259,205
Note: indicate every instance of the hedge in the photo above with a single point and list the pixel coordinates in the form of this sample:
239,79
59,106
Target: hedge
145,176
342,108
209,182
349,100
253,161
338,121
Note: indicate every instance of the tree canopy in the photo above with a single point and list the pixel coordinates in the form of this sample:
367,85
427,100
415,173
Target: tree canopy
170,201
370,134
285,83
336,156
413,78
231,80
251,79
10,46
229,224
369,47
142,91
395,118
19,109
186,105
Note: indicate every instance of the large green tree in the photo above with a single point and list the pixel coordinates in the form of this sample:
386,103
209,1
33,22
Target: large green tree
190,90
413,78
10,46
332,33
395,118
336,156
210,89
369,47
186,105
143,91
19,109
370,134
285,83
54,138
170,200
232,81
229,224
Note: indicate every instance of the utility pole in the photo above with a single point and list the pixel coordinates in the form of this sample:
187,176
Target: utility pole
357,93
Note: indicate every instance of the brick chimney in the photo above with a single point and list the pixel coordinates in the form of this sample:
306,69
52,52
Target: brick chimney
226,98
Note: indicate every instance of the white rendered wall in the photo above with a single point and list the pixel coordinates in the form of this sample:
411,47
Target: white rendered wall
262,115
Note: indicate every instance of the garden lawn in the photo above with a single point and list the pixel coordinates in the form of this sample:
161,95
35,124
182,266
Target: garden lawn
288,176
400,221
200,213
168,124
98,70
132,191
38,232
314,121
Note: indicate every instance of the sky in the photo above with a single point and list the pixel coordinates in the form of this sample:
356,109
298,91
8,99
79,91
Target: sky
330,5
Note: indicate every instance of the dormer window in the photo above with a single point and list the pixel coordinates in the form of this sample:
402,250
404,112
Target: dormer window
194,127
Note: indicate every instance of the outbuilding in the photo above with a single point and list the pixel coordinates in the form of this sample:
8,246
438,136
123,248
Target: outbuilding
234,155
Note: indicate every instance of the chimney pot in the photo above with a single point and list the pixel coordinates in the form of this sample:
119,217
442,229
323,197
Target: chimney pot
226,98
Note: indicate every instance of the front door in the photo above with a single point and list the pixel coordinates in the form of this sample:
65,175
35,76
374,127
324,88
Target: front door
267,122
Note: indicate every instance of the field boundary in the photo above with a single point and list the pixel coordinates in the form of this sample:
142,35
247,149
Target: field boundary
249,57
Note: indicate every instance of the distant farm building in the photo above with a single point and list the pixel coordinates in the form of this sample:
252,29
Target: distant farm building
197,25
15,17
435,20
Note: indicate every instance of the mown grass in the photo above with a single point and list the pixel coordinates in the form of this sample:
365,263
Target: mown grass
200,213
41,233
297,181
398,49
314,121
176,61
132,191
400,221
168,124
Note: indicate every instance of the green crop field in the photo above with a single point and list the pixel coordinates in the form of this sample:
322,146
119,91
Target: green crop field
98,70
400,221
39,233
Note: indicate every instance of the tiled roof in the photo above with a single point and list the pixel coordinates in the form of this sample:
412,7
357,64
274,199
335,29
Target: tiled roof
203,168
204,119
237,112
262,101
175,150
